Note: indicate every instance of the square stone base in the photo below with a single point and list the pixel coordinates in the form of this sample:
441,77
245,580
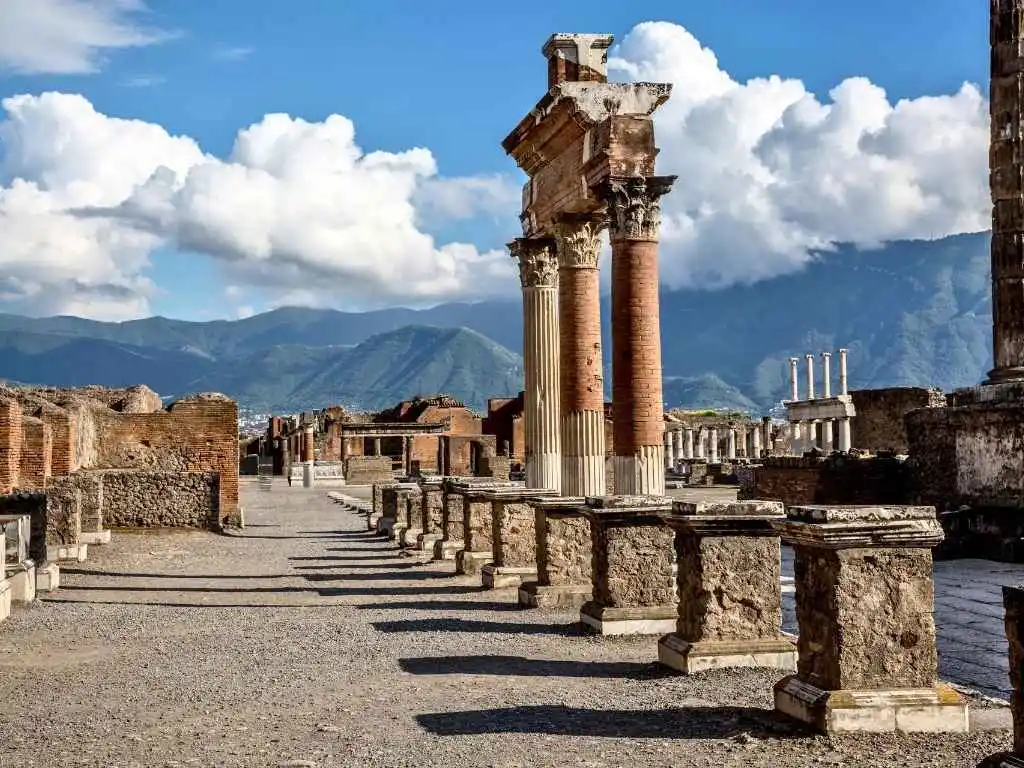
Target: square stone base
77,552
426,541
95,537
385,525
22,579
397,530
471,563
446,550
409,537
372,521
689,658
909,710
47,577
5,599
501,577
642,620
567,596
1005,760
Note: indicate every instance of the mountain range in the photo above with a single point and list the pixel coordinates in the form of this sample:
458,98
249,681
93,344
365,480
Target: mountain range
912,313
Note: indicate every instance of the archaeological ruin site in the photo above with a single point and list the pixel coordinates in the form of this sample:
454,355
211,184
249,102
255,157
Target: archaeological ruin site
563,580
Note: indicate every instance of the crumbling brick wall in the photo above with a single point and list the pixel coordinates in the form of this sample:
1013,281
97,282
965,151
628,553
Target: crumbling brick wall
37,445
196,434
156,499
10,443
879,423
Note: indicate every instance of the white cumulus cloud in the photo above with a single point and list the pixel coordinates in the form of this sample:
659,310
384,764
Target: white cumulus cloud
297,209
69,37
768,171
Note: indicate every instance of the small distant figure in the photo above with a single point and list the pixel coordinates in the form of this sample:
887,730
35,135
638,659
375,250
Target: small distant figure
289,475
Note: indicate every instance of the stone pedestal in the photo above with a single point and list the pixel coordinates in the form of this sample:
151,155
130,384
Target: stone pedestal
1013,601
22,578
431,508
47,577
730,595
513,538
377,510
452,506
394,509
864,605
413,518
634,591
563,555
477,535
307,474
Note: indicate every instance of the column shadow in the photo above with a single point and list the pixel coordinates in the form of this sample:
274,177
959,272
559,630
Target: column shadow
519,666
473,625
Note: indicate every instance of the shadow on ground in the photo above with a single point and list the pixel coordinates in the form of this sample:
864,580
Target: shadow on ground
520,666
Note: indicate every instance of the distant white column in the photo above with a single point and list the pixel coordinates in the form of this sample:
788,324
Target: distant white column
688,444
730,444
842,372
755,443
826,374
794,394
713,445
308,457
766,424
795,438
670,453
845,438
810,376
826,435
701,435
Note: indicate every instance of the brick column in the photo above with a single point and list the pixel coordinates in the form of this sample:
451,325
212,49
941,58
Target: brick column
581,378
1006,97
538,273
634,205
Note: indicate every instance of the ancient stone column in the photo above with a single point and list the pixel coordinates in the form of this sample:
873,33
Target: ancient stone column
810,376
701,436
766,426
730,444
633,556
581,377
1013,603
826,435
1006,105
730,593
864,605
826,374
845,438
376,446
688,445
670,450
538,274
794,393
842,372
713,446
308,456
755,442
634,205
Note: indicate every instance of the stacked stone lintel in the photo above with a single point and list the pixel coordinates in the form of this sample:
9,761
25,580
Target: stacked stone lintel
1013,602
730,597
1006,102
638,419
867,659
538,273
581,377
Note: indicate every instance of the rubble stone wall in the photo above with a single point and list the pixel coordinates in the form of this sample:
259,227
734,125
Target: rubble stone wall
839,480
366,470
879,423
161,499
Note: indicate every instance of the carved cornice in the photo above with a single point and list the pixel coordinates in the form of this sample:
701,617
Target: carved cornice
538,262
579,241
634,205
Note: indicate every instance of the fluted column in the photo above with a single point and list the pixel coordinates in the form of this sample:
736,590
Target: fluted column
635,210
538,274
730,444
755,442
580,361
810,376
688,445
669,449
1006,105
713,446
794,387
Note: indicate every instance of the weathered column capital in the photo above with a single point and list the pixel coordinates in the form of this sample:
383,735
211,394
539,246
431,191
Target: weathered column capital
579,241
538,261
634,205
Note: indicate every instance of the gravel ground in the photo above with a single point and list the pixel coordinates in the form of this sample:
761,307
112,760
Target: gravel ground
305,641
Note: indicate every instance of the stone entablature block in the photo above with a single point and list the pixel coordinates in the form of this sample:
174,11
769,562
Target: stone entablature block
821,409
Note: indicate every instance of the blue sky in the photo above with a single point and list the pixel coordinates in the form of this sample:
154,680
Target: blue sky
455,77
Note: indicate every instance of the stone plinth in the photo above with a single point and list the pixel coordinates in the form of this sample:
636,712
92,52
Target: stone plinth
394,514
634,591
477,536
864,606
513,537
563,554
431,514
377,510
728,560
413,518
1013,601
452,507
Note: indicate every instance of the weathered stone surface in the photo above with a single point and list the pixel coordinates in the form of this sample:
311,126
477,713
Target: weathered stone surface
1013,600
91,486
161,499
63,512
453,506
477,529
729,588
514,533
414,509
432,508
632,565
564,552
865,618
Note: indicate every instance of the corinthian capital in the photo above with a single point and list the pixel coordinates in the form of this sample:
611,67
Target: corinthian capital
634,205
538,264
579,240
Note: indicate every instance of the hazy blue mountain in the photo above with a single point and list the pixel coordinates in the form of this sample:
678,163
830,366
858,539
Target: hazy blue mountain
911,313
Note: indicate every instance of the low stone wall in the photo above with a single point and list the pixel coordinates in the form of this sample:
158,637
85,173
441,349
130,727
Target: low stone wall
366,470
133,499
833,480
497,467
879,424
91,486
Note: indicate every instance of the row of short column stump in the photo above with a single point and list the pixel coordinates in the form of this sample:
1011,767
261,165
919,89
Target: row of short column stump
707,577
